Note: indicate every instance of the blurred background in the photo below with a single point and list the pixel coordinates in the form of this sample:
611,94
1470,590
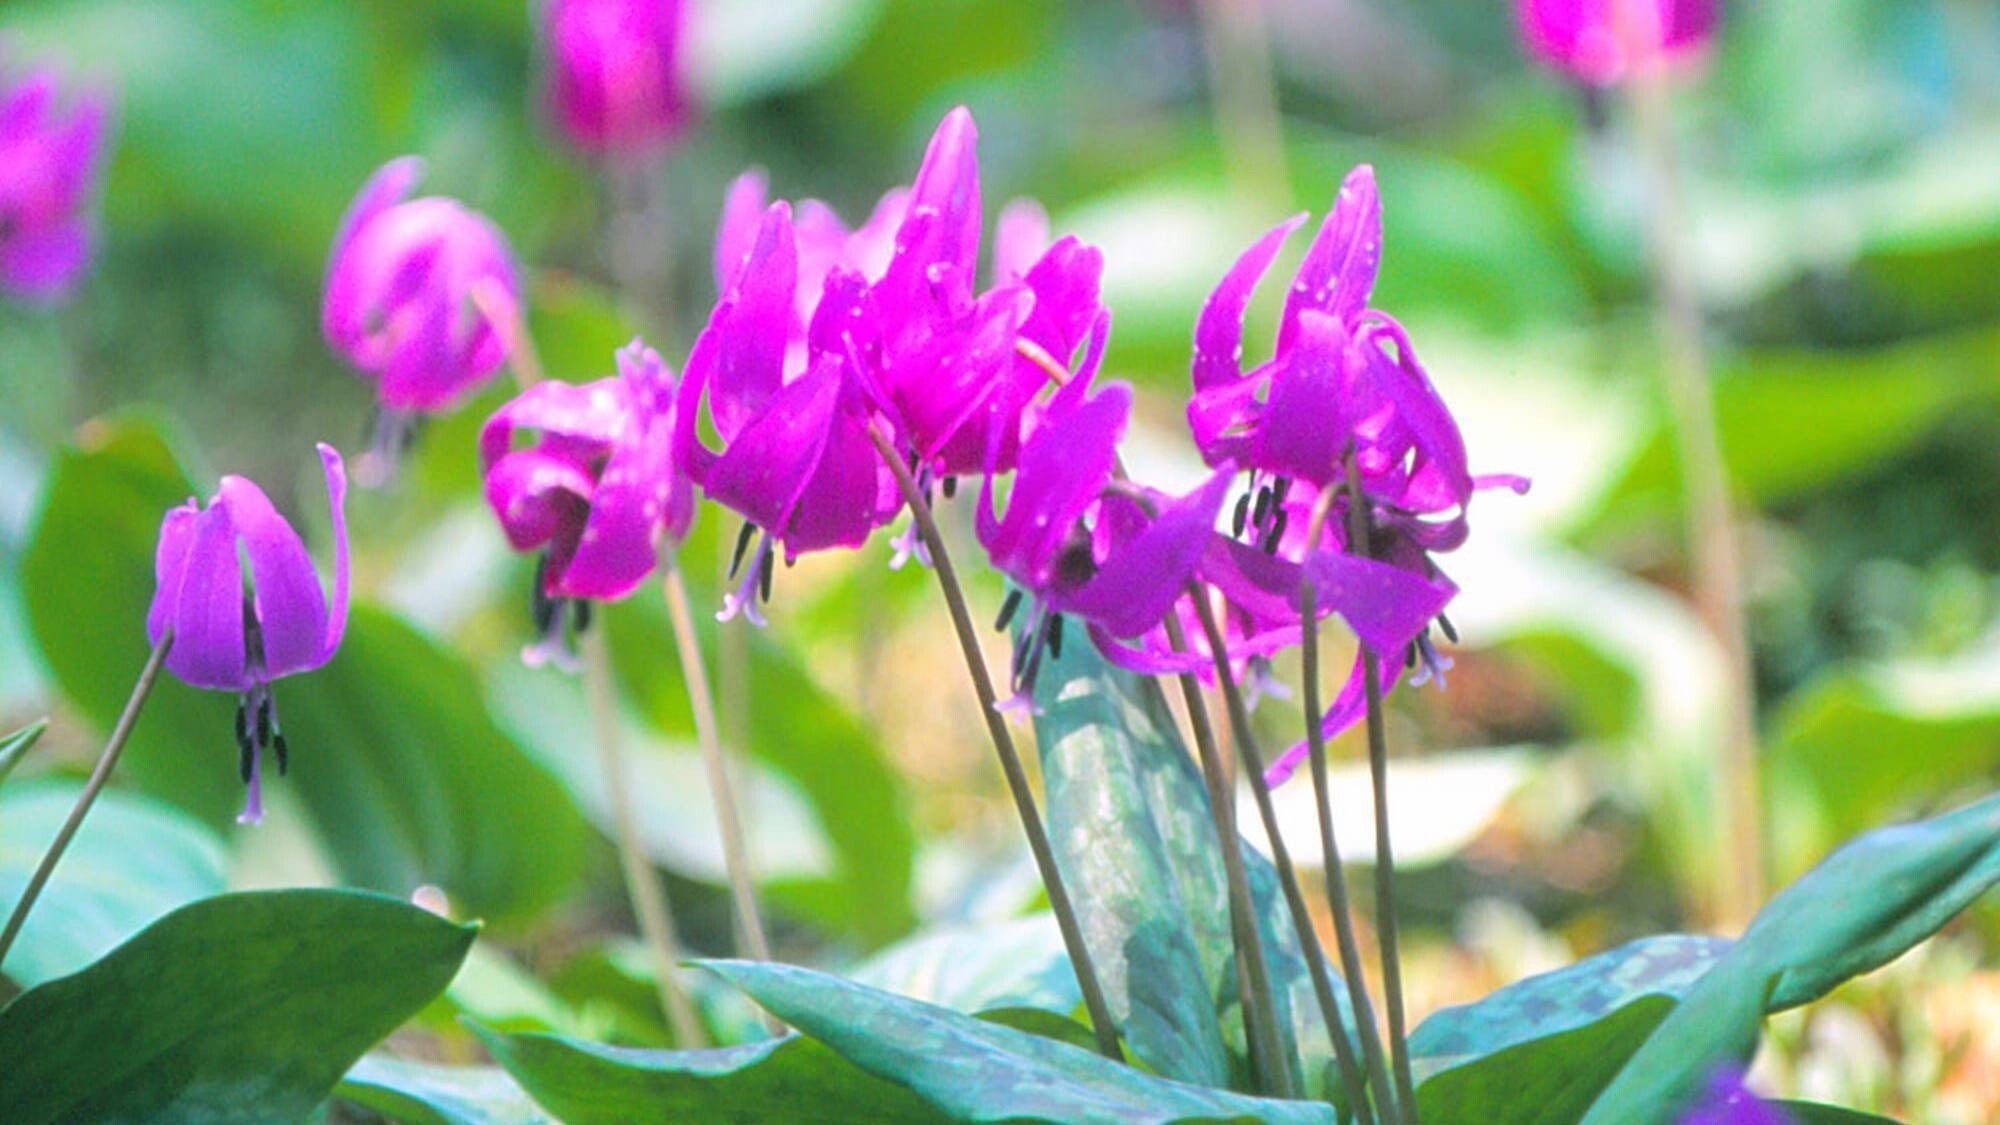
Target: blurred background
1842,165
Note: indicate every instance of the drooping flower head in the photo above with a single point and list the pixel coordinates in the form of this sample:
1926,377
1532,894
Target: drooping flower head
1081,543
598,495
1601,42
51,156
615,79
229,637
413,288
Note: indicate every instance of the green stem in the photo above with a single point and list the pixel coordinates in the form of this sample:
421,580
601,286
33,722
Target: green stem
107,761
1281,858
1260,1010
1359,535
1335,870
1101,1023
735,849
649,902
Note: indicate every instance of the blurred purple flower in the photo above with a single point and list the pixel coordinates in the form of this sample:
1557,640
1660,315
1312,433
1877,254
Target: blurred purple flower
413,287
1600,42
225,640
596,495
1081,544
616,73
50,157
1728,1101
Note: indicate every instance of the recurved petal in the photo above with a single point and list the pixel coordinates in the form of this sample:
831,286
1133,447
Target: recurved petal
539,495
1138,581
290,607
1218,332
336,499
1385,605
1020,236
1061,471
752,338
390,184
619,545
948,183
208,615
169,564
1304,427
1346,709
736,232
763,471
589,412
1338,273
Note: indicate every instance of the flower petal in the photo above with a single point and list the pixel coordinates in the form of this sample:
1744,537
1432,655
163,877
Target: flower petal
736,232
588,413
1385,605
1020,236
1346,709
1138,581
752,337
766,467
290,606
539,495
1339,269
336,500
1062,469
208,614
1218,333
169,565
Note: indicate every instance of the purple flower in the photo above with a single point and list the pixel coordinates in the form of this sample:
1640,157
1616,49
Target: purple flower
1600,42
616,81
50,158
1082,544
225,640
408,287
1728,1101
596,495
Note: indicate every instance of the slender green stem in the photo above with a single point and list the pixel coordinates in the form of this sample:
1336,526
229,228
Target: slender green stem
107,761
1101,1023
1335,870
1281,858
1260,1009
728,817
1711,524
1359,540
649,902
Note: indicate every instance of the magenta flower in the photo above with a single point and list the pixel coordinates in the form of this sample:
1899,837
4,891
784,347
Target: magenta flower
409,286
227,640
1728,1101
1081,544
1600,42
597,495
50,158
616,82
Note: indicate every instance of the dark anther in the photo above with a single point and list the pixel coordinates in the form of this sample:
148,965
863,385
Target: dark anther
541,608
1242,517
1410,656
246,762
1281,488
1074,565
1055,632
1027,645
1276,533
764,577
949,486
742,544
581,607
1007,609
264,721
1450,630
1263,507
284,753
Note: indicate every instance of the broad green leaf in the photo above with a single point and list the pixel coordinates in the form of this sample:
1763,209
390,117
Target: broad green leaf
1128,816
1541,1048
789,1079
418,1093
406,779
245,1007
1016,964
1863,906
15,746
132,861
1816,1113
975,1070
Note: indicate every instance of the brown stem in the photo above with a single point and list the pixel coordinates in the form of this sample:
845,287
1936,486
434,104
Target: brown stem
1359,535
1003,745
107,761
649,903
735,849
1335,870
1711,525
1260,1010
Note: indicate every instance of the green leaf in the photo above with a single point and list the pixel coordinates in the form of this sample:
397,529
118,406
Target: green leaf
1817,1113
15,746
132,861
244,1007
405,777
1541,1048
1016,964
978,1071
417,1093
789,1079
1128,816
1865,905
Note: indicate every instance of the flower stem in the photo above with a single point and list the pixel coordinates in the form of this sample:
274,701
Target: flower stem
1260,1010
735,850
1003,745
1335,870
107,761
649,903
1711,526
1288,877
1385,860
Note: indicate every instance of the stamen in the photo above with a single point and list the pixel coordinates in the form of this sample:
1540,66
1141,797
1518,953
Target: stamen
1007,609
244,747
764,586
743,599
1450,630
264,720
1241,518
253,800
580,609
1055,632
742,541
1263,507
1281,488
541,608
284,753
948,486
1435,663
